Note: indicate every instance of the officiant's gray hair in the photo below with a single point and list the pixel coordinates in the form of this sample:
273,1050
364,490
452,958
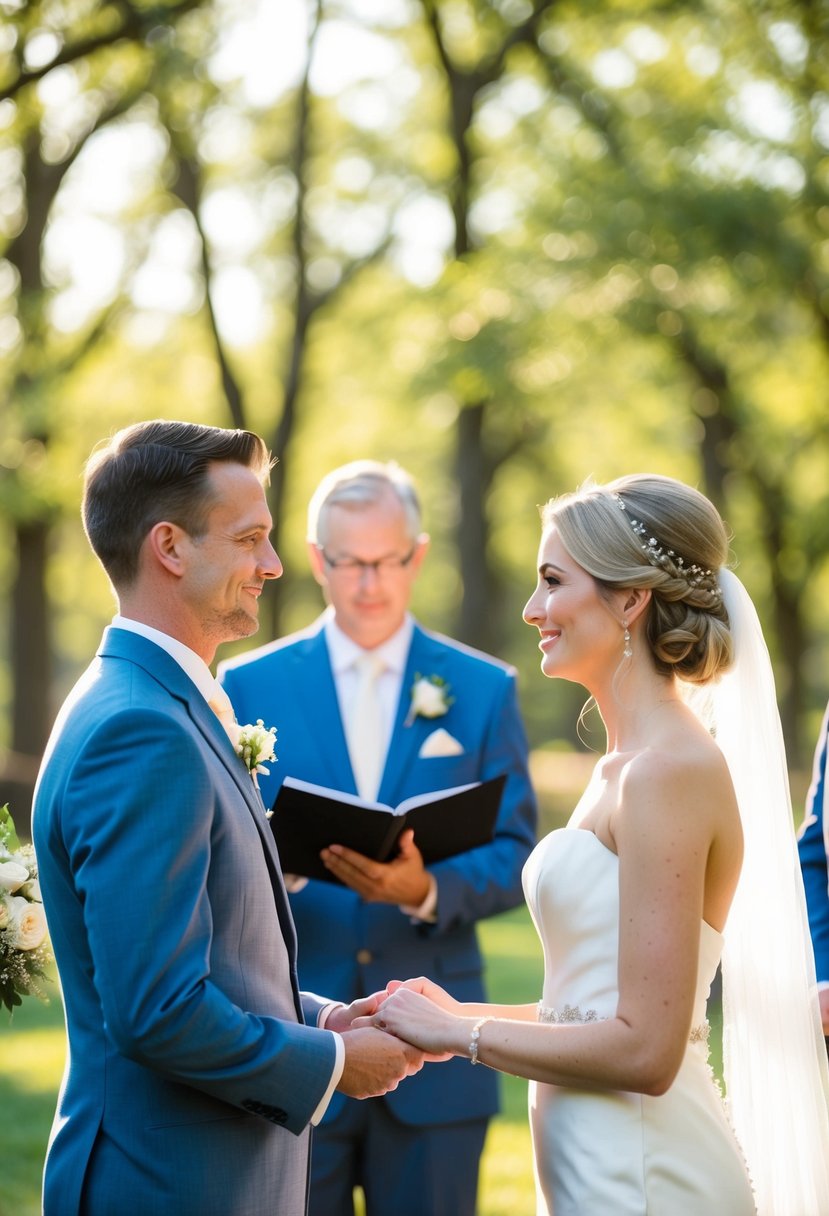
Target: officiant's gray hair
362,483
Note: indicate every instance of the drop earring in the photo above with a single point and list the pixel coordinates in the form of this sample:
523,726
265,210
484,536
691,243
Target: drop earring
628,651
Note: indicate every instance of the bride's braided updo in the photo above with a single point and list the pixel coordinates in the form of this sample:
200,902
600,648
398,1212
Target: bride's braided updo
651,531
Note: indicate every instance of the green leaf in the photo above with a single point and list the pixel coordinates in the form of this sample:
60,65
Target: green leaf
8,836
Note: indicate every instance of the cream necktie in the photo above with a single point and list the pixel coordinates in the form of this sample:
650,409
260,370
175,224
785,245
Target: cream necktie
220,704
366,729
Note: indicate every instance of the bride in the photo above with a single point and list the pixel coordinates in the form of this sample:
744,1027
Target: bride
680,855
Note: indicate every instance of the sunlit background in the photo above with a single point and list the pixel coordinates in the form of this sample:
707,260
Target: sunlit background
509,243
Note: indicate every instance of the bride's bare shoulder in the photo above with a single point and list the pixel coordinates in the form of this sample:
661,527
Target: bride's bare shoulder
682,777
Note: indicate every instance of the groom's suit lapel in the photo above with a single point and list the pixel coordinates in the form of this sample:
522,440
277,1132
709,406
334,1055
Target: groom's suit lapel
123,644
120,643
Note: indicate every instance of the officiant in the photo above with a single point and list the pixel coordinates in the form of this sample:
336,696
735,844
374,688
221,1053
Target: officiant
367,701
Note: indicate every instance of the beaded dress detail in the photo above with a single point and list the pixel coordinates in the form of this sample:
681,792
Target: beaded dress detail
598,1153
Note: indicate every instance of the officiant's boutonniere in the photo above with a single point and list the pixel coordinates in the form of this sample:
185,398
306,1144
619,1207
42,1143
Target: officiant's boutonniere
430,698
255,744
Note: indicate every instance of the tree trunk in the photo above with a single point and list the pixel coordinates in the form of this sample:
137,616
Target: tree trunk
31,664
476,624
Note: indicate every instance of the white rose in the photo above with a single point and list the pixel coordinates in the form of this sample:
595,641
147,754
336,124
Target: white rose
4,912
27,924
12,875
428,699
31,890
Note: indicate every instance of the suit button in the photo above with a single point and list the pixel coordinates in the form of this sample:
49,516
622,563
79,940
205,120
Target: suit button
364,956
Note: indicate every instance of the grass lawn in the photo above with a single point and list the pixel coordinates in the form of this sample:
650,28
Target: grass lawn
32,1047
31,1061
514,969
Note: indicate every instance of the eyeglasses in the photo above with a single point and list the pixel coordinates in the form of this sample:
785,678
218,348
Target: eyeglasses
355,567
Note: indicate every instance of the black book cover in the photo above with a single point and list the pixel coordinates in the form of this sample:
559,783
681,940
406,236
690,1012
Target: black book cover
307,818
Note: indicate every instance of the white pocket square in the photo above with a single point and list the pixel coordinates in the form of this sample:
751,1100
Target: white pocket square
439,743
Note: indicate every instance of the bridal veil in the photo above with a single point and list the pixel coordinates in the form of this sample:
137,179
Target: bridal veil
775,1066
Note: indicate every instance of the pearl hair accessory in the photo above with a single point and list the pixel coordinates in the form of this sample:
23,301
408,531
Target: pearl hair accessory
672,563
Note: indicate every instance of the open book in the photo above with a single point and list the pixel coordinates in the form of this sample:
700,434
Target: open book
308,818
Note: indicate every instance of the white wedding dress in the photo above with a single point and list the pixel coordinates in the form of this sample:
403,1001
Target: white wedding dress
611,1153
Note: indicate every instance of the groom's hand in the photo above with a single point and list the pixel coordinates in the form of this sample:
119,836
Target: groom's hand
375,1063
343,1018
403,880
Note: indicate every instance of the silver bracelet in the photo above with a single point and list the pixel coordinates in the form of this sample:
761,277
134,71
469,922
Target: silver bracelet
473,1039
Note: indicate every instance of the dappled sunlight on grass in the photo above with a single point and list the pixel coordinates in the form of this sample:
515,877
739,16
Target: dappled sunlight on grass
506,1186
506,937
35,1062
31,1062
514,972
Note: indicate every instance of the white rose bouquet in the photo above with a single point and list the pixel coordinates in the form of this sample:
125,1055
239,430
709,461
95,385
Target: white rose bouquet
25,952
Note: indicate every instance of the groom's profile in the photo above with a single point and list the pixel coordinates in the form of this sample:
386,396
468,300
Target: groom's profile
195,1066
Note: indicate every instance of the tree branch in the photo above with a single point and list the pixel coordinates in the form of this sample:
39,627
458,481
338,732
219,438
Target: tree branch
589,102
188,188
132,24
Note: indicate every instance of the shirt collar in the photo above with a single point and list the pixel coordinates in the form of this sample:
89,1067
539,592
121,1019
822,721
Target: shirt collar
192,664
344,651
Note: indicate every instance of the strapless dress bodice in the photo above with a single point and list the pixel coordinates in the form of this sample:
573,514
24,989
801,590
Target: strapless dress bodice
571,885
603,1152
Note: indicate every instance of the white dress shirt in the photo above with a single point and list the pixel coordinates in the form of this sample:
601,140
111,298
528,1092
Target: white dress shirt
195,667
394,653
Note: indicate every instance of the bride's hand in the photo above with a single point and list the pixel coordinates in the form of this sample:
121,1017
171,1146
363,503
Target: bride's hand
428,988
418,1019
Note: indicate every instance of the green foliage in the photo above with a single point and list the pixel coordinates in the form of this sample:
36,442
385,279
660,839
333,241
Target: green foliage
647,284
8,836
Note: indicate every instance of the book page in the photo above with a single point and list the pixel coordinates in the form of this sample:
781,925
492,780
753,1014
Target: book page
325,791
409,804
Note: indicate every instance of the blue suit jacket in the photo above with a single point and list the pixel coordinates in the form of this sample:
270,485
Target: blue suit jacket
813,861
190,1076
352,947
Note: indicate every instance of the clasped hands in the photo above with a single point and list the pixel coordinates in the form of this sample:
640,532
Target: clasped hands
422,1014
376,1060
391,1034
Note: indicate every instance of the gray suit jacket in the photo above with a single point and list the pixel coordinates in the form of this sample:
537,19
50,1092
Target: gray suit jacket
191,1076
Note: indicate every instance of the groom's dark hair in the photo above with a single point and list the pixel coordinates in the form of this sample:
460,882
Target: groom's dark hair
155,471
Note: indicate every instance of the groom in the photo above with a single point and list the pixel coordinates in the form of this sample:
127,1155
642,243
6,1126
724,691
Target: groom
195,1065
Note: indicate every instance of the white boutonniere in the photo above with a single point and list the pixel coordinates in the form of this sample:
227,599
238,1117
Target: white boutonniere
430,698
255,744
